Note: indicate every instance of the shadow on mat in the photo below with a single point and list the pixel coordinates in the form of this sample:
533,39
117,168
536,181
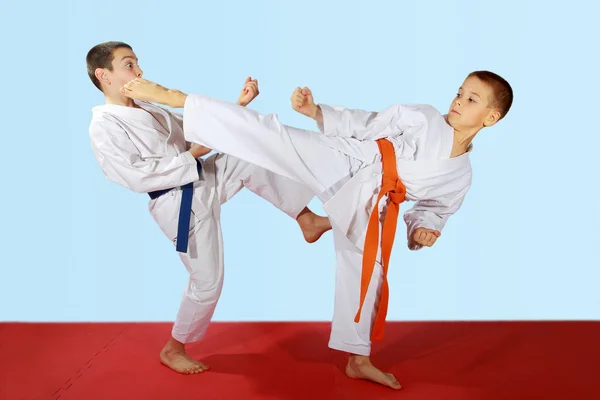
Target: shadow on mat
298,367
284,367
463,359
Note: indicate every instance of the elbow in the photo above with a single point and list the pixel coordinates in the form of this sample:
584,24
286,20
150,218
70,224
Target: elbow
135,186
138,189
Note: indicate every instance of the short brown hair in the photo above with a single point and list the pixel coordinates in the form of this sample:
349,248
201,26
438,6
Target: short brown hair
101,56
501,89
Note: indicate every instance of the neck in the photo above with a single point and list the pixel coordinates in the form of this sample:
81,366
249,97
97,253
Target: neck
119,100
463,138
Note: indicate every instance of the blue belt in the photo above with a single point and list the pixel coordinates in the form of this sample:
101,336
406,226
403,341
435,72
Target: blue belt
185,211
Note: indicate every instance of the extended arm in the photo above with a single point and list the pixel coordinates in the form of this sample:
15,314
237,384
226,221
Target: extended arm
345,122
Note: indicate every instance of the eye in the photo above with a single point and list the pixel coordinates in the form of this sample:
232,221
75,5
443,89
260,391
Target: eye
129,65
457,95
472,100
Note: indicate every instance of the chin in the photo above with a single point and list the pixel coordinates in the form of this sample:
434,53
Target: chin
452,120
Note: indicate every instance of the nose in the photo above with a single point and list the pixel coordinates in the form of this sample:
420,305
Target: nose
139,73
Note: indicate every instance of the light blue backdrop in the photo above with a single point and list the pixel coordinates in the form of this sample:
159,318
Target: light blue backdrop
76,247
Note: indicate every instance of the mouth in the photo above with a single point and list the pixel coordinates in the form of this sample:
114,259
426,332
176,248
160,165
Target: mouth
455,112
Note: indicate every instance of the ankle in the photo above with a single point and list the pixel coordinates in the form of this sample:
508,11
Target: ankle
303,214
174,346
359,360
176,98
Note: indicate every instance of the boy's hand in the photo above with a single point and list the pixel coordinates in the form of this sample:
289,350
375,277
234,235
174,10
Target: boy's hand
424,237
249,92
303,102
198,150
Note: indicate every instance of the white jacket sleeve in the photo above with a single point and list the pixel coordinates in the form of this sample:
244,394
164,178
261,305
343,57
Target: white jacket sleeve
432,214
360,124
121,162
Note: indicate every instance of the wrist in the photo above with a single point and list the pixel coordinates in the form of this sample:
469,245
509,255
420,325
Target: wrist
318,117
197,152
316,111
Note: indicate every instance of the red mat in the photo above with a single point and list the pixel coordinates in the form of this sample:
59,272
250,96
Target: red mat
291,361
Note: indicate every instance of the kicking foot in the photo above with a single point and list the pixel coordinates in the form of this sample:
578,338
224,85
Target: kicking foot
360,367
313,226
143,89
179,361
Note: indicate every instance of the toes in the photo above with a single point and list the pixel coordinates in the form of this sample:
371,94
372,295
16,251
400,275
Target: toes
198,369
134,82
201,367
393,382
184,365
199,364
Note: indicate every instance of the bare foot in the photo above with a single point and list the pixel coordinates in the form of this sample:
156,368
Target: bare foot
143,89
173,355
360,367
313,226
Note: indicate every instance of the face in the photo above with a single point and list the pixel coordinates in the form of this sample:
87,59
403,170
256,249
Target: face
470,108
124,68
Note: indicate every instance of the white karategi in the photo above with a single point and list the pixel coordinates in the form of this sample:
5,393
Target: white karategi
143,149
342,165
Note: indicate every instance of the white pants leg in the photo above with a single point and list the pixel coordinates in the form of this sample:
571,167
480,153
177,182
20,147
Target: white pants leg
347,335
204,263
204,259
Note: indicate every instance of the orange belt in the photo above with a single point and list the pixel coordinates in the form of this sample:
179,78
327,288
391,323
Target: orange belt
392,186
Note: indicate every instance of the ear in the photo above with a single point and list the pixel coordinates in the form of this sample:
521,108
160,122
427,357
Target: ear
102,76
492,117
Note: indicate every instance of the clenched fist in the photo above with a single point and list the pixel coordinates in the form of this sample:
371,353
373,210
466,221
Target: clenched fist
303,102
198,150
249,92
424,237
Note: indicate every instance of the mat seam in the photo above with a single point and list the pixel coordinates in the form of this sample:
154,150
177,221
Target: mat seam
88,365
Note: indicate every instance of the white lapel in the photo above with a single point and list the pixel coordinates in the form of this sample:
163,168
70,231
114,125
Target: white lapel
139,117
